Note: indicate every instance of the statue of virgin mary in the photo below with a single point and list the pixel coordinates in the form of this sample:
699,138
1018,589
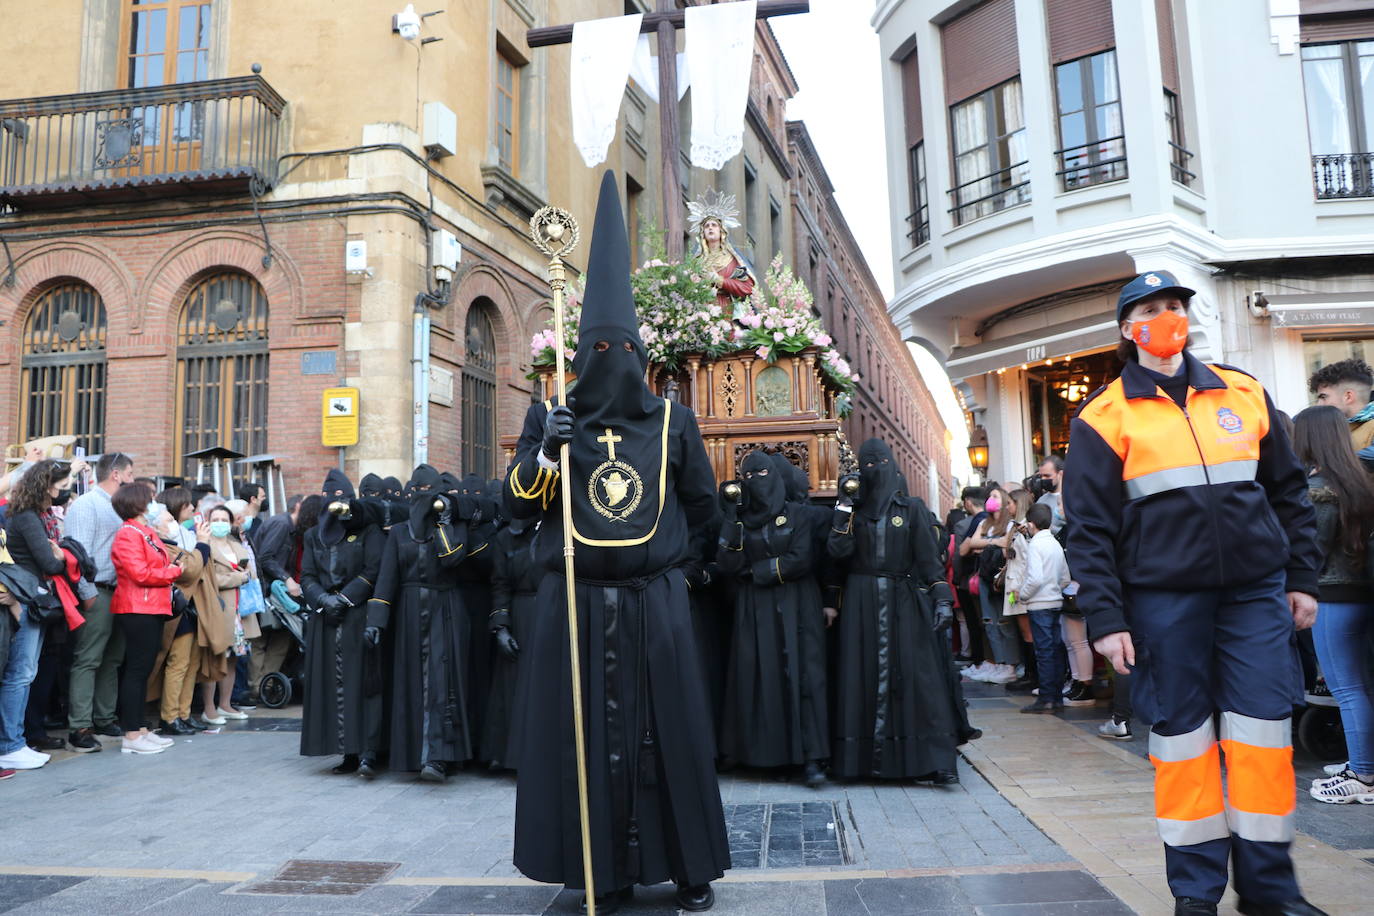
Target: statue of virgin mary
710,219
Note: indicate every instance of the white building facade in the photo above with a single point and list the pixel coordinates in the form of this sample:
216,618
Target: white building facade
1043,152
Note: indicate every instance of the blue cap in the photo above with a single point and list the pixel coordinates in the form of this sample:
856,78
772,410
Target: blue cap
1150,284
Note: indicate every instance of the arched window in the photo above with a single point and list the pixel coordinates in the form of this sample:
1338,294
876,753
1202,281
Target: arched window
479,392
222,367
64,367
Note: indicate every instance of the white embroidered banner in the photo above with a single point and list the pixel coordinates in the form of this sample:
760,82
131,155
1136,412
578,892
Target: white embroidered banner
602,52
644,71
720,54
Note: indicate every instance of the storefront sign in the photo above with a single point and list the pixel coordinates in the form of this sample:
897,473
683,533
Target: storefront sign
1289,314
1091,333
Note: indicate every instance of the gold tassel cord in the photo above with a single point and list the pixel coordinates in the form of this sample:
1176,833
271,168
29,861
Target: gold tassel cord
555,233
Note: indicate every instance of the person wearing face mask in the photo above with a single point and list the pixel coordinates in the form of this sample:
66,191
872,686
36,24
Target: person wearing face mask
641,482
188,544
514,582
474,583
232,568
1194,546
33,531
775,693
897,715
988,545
340,559
97,647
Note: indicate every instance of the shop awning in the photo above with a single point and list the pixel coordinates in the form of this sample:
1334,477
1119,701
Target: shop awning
1091,332
1322,310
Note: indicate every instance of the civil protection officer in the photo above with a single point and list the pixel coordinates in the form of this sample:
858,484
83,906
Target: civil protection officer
1194,547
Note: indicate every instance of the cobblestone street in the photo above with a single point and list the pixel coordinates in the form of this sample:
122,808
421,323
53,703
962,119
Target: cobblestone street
184,832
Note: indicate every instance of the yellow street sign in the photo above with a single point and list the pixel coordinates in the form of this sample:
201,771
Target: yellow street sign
339,426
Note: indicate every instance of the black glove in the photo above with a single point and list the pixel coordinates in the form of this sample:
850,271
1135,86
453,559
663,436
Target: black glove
506,643
695,576
944,615
372,636
334,607
558,431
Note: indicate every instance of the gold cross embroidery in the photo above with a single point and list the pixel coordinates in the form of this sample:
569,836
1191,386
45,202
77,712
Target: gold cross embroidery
610,439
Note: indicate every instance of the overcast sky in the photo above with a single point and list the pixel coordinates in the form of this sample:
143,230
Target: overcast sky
833,52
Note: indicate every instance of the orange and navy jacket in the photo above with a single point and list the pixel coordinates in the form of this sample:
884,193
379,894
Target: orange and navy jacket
1159,496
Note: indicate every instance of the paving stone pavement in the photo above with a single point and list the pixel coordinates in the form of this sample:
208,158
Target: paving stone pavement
193,830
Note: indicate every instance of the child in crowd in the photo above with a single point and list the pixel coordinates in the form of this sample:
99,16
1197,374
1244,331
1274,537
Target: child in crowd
1039,588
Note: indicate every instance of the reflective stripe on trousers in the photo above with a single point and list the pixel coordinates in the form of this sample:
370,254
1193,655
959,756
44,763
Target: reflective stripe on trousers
1189,805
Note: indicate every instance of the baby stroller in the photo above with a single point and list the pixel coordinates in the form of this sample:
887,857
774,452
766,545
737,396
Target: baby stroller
278,687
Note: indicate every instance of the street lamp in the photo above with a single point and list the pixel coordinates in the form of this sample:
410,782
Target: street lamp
978,449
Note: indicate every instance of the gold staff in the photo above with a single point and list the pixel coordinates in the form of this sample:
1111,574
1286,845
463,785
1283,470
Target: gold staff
555,233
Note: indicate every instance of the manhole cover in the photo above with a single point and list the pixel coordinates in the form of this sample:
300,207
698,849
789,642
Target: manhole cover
320,877
786,835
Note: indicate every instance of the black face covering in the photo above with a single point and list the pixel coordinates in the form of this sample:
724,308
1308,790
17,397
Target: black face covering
392,489
424,485
794,478
371,487
880,478
764,496
336,488
62,498
449,483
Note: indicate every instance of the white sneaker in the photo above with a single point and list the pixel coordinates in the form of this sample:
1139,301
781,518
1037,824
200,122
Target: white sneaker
1344,789
215,720
26,758
1004,674
983,672
232,714
1120,731
159,739
140,745
1334,769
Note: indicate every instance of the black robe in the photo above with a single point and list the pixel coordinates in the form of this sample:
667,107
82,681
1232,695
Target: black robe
654,801
514,582
474,585
417,600
897,713
340,715
775,701
711,602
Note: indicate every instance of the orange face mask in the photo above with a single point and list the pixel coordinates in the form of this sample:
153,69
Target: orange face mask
1164,335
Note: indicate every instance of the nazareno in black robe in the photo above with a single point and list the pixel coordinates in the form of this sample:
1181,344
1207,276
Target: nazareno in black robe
474,582
775,708
897,713
417,601
640,481
342,704
514,583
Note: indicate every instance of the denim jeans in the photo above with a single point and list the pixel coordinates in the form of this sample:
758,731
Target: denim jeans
1049,655
19,672
1343,633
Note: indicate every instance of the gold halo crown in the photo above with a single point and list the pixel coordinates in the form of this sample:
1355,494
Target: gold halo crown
713,205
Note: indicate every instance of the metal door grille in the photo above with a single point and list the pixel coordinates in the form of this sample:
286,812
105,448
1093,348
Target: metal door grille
479,394
63,377
222,367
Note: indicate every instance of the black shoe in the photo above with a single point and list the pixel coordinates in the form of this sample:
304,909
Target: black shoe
175,728
198,724
48,743
435,771
109,730
84,741
1298,907
1042,705
1192,906
695,898
938,778
971,734
1021,685
813,775
367,768
348,765
609,903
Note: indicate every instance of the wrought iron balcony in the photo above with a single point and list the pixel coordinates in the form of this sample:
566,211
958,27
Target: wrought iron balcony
1006,187
1092,163
209,137
1343,175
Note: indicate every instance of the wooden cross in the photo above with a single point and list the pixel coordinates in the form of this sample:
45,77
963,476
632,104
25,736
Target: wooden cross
665,23
610,439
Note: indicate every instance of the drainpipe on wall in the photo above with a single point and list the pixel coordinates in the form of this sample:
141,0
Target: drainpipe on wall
419,382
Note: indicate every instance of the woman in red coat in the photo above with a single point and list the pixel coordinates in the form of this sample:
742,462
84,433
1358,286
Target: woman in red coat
142,602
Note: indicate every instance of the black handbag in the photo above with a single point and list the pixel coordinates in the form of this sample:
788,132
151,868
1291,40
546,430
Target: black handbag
45,608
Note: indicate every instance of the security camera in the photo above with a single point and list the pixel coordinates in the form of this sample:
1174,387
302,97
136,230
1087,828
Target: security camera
407,23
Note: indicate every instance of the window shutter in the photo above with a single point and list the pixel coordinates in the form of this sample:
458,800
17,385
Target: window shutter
1168,46
1336,27
980,49
911,100
1079,28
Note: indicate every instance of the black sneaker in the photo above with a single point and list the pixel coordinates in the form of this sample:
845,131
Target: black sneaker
1295,907
1080,694
84,741
1021,685
1041,705
367,768
48,743
1192,906
109,730
434,771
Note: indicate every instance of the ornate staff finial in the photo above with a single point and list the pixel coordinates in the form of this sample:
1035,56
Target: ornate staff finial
554,232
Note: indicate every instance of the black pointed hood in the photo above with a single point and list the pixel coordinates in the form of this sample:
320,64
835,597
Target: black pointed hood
880,478
424,479
392,487
796,484
449,483
610,382
337,485
371,486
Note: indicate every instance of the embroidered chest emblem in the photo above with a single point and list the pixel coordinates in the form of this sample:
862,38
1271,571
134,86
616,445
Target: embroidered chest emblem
352,538
898,521
1227,420
615,489
780,520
